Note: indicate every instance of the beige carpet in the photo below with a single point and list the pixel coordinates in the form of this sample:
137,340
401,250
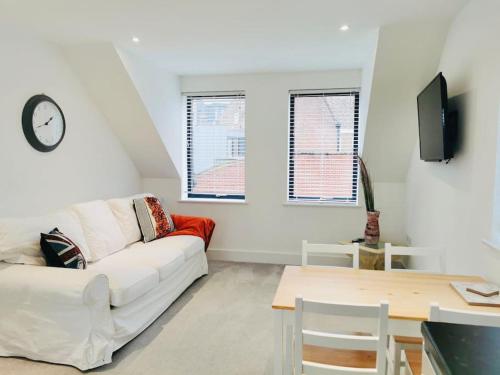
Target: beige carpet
221,325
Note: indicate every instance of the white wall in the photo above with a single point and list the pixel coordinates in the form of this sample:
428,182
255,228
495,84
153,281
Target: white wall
264,226
452,205
89,164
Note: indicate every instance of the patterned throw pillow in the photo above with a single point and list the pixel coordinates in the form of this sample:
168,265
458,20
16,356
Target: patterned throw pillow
60,251
154,220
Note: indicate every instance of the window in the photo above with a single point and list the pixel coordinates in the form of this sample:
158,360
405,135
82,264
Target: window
215,152
236,147
323,147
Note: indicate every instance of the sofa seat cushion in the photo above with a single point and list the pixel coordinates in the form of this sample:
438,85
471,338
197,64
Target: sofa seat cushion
157,254
127,281
140,267
190,245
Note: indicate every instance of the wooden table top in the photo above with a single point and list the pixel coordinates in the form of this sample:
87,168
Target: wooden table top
409,294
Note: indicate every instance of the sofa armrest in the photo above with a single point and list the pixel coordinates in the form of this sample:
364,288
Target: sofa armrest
55,315
35,284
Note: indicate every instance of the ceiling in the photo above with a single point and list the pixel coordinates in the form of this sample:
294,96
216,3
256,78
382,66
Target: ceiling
226,36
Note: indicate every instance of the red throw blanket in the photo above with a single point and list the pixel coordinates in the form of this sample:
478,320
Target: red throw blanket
202,227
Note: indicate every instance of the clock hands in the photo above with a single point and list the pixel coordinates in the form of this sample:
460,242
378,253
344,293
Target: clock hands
46,123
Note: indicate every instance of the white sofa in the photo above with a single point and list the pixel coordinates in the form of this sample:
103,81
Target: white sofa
80,317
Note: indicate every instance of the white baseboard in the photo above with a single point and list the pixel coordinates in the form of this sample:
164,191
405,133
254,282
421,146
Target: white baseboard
254,256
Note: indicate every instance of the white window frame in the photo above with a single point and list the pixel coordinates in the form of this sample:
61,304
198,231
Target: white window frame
290,199
186,196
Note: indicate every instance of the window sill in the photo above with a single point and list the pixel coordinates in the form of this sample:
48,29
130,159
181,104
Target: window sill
322,204
206,200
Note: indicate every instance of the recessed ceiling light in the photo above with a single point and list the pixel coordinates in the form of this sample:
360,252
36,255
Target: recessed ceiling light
135,39
344,27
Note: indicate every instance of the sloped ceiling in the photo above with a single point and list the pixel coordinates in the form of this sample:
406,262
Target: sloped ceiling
407,59
103,74
131,86
161,94
143,102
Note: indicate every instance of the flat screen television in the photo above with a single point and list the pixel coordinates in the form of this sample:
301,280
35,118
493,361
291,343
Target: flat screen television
436,126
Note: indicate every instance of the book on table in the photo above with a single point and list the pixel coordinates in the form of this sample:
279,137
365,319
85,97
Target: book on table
478,294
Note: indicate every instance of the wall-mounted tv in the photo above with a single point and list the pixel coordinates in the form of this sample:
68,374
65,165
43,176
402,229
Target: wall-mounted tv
436,125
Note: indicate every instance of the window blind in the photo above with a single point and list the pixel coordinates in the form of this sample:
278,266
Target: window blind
323,146
216,146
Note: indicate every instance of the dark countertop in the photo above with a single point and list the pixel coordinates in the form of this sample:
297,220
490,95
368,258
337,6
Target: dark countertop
460,349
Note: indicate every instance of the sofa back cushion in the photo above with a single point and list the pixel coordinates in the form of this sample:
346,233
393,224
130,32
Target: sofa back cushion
101,229
20,237
123,209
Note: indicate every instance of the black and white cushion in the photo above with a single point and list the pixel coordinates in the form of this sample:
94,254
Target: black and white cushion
60,251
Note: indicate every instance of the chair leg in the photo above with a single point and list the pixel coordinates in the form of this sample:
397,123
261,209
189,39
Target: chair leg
394,360
288,351
407,370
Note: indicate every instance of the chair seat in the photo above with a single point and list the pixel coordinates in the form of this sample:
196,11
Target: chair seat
337,357
408,340
414,360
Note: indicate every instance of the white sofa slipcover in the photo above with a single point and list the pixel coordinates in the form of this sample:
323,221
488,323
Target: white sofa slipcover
101,228
55,315
20,237
79,317
126,283
123,209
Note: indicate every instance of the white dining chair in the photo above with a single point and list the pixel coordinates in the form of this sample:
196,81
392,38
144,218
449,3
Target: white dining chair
315,352
397,344
329,250
438,314
435,254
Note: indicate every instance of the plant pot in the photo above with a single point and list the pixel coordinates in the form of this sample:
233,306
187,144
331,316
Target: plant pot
372,230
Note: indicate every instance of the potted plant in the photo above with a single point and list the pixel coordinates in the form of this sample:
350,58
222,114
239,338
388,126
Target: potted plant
372,229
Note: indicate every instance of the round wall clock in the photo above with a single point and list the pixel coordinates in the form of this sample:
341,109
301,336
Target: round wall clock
43,121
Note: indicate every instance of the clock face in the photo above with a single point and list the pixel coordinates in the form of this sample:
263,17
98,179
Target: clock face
48,123
43,123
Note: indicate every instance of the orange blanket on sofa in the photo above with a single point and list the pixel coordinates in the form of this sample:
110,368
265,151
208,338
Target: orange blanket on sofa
202,227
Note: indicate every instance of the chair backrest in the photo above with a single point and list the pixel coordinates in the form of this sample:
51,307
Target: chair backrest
475,318
330,249
340,341
430,252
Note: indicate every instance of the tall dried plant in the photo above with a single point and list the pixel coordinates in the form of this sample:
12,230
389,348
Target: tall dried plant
367,186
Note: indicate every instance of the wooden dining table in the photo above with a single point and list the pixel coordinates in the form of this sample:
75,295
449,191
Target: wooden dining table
409,295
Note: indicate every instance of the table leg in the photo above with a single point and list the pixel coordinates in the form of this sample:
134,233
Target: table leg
283,342
278,342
